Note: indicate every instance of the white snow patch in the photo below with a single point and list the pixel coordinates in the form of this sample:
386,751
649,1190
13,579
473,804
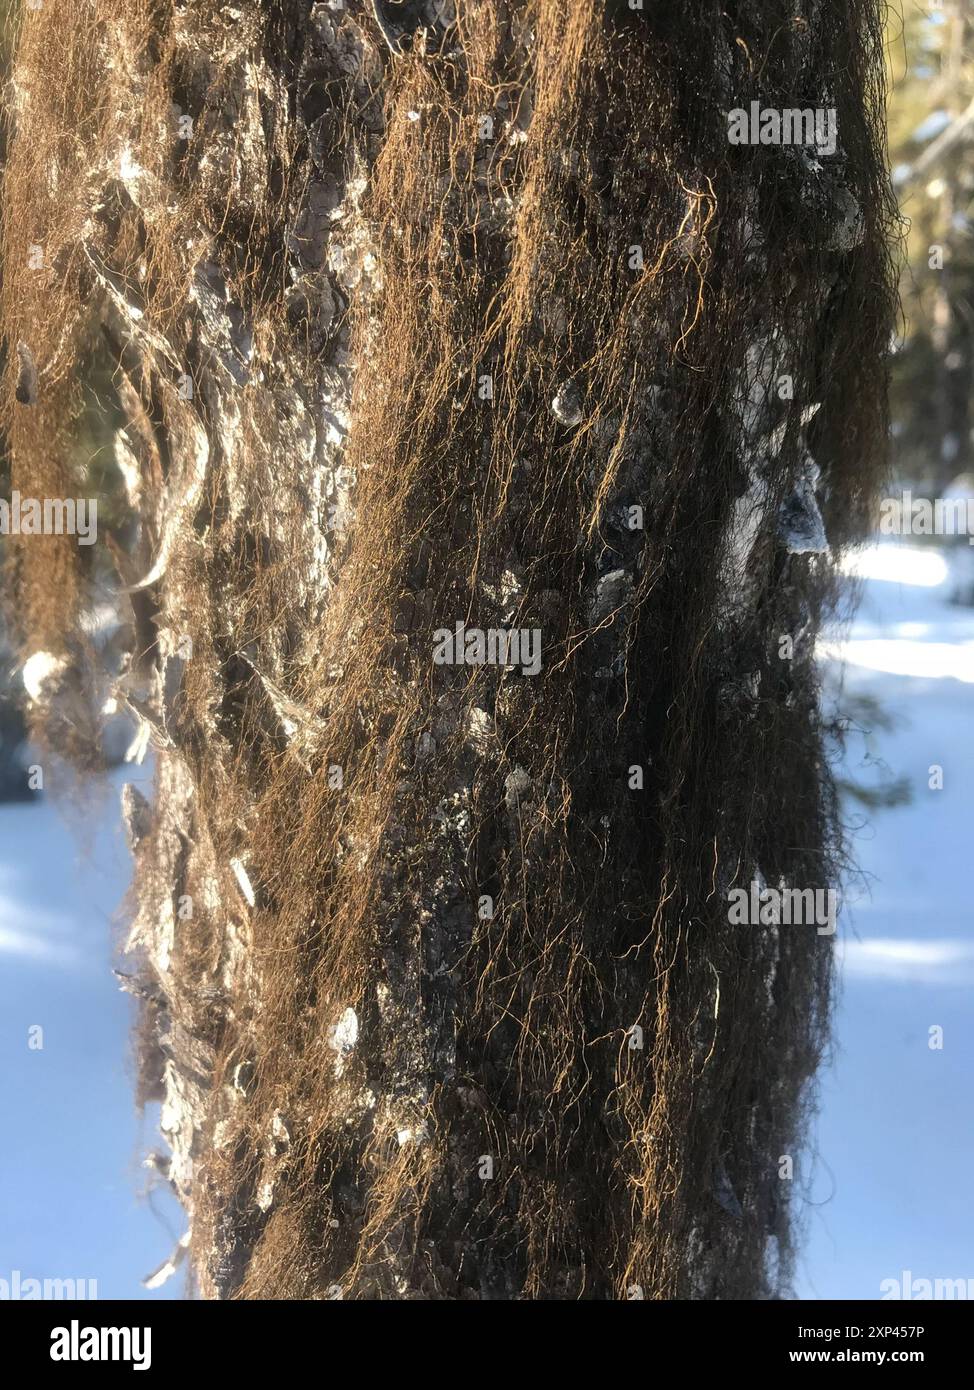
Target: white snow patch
905,656
40,668
344,1035
897,564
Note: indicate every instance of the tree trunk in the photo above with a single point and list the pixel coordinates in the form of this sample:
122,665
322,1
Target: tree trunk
425,316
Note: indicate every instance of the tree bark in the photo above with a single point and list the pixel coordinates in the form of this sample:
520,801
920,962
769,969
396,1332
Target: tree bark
418,316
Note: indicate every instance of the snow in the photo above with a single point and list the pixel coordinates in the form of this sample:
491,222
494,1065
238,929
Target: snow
923,635
344,1035
911,565
39,668
72,1156
888,1191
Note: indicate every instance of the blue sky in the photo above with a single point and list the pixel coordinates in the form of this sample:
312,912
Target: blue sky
895,1138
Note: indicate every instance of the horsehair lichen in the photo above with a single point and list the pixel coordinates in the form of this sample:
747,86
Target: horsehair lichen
486,1030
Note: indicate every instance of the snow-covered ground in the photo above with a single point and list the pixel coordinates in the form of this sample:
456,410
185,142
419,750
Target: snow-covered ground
895,1140
75,1203
896,1133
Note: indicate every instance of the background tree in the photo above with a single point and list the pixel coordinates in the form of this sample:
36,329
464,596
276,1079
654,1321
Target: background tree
931,132
417,315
